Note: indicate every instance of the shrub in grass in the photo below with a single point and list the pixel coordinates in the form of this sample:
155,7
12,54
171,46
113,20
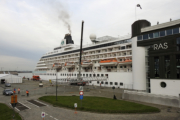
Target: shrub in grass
99,104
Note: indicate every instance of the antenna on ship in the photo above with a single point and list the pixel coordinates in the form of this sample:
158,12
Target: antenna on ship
79,76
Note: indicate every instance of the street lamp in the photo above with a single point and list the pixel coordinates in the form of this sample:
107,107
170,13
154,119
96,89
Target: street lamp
56,84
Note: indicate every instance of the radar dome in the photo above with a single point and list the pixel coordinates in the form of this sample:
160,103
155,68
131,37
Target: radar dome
92,37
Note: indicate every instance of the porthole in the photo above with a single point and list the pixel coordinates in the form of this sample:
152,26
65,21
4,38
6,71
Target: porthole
163,84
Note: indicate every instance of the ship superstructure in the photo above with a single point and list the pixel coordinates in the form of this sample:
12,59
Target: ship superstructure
106,56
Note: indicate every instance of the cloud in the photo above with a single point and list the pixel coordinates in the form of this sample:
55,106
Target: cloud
16,63
30,28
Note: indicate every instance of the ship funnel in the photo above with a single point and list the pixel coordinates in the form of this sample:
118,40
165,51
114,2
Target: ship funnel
68,38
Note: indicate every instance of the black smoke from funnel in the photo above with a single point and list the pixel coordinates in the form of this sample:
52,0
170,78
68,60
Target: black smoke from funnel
62,11
64,16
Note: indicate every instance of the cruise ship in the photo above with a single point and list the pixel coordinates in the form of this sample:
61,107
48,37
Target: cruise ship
147,60
107,56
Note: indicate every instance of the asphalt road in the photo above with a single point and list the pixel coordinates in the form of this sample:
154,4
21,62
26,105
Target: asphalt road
36,107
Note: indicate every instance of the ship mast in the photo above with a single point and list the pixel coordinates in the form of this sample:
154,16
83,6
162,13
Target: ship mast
79,76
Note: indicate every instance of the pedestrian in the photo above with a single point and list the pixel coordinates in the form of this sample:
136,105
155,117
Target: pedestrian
100,84
18,90
27,93
14,90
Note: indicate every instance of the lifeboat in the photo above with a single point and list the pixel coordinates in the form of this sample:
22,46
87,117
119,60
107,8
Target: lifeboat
69,64
108,62
86,63
57,65
127,61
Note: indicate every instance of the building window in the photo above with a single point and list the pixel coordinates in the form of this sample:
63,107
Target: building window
97,75
163,84
94,67
162,33
111,66
124,66
175,30
90,81
120,66
97,82
123,47
145,36
156,67
83,74
116,83
89,75
121,84
178,65
169,32
94,75
156,34
102,82
74,74
178,44
102,75
86,75
150,35
139,37
111,83
167,66
65,74
106,75
106,83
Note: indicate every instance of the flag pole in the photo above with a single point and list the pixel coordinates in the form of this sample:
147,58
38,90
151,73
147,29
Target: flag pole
135,13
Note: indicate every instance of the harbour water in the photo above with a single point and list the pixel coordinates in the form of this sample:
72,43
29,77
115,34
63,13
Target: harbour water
26,75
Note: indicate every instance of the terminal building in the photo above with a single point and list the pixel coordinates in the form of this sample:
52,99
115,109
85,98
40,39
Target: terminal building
156,57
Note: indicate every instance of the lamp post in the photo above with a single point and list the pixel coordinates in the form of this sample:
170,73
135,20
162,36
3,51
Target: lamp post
56,84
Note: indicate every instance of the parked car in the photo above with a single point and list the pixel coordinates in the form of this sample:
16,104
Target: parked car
7,85
40,84
7,92
81,83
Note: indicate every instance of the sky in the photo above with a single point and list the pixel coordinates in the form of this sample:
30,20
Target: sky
31,28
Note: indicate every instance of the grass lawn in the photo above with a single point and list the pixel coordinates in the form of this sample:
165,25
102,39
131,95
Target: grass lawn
6,113
99,104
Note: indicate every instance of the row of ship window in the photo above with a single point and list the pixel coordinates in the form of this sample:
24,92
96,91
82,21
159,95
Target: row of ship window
64,74
158,34
99,67
91,48
90,75
111,83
